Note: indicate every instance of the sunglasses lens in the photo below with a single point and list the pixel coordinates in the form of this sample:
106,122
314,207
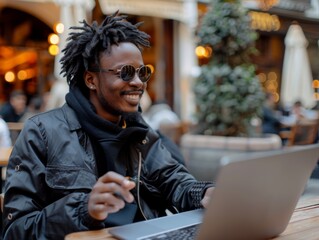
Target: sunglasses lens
127,73
144,73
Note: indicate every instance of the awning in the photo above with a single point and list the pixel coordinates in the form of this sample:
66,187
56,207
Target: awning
179,10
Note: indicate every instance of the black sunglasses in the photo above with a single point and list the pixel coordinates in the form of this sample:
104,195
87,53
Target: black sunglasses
127,72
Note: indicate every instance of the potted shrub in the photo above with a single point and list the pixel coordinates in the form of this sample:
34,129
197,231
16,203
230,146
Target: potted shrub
228,93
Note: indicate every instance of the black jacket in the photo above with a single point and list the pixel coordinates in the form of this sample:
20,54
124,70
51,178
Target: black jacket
52,170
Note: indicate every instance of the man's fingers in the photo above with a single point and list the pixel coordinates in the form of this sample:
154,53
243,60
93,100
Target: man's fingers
109,195
112,177
124,196
206,199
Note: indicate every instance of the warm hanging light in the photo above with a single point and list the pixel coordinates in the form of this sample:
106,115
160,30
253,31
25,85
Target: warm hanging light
9,76
59,28
53,38
315,83
53,49
203,52
267,4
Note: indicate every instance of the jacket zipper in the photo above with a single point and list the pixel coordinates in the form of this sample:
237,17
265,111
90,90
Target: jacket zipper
138,184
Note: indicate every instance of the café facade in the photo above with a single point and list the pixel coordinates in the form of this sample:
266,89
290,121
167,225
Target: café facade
29,57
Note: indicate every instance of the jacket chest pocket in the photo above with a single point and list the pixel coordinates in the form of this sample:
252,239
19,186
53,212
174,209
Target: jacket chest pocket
69,178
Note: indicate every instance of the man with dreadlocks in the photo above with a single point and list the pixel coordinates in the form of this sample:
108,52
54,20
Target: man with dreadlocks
94,162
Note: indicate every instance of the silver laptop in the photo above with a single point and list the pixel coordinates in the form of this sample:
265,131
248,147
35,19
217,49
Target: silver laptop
254,198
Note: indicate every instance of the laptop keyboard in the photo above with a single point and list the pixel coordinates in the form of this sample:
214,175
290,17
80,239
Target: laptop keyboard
186,233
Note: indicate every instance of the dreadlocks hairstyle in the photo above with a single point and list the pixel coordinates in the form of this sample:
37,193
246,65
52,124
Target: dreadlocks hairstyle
88,41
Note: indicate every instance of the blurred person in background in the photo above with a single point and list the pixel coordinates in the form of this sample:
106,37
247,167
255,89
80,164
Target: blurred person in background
5,139
160,113
157,114
270,118
35,106
298,113
14,109
5,142
56,97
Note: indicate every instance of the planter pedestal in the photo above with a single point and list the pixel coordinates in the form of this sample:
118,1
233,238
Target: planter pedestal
203,153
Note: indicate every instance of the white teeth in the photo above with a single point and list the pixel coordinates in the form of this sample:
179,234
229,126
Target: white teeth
133,97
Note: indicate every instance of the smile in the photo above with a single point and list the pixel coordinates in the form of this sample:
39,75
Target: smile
133,97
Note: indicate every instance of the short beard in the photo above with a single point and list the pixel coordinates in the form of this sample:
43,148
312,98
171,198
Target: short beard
128,116
107,107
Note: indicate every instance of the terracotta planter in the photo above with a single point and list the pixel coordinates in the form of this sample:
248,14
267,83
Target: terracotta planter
203,153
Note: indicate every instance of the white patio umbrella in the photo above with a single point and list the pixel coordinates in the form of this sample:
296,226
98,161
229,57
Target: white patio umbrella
71,13
296,74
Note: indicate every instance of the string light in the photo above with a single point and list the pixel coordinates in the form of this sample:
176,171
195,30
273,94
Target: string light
53,38
59,28
264,21
53,50
9,76
267,4
203,52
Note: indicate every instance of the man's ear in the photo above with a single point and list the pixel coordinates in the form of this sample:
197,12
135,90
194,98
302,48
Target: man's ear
90,79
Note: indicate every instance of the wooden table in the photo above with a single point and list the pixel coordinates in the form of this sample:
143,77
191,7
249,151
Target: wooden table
304,225
15,129
4,155
4,158
300,133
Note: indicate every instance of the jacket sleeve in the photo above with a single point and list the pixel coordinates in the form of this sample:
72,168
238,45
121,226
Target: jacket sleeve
172,180
32,208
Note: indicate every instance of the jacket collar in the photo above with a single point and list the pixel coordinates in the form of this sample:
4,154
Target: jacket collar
71,118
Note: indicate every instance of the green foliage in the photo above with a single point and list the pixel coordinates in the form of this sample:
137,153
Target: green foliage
226,28
228,93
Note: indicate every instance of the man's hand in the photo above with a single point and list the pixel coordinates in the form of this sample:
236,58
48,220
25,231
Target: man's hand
206,199
109,195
